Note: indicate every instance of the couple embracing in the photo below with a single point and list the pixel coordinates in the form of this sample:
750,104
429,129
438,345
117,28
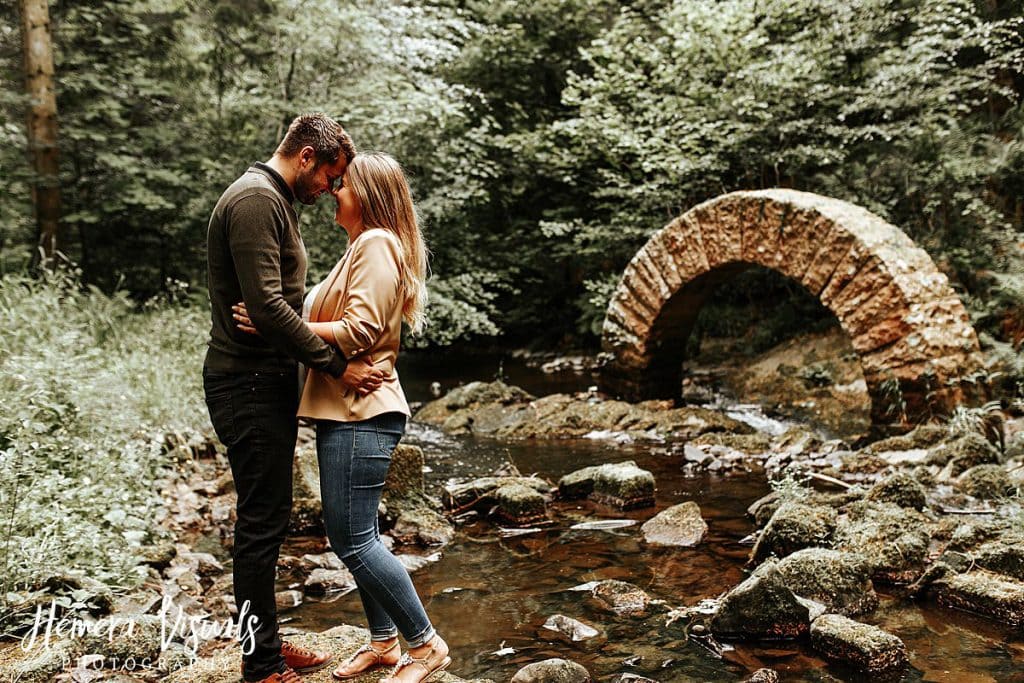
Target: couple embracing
346,332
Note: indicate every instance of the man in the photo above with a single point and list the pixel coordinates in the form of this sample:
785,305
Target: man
255,254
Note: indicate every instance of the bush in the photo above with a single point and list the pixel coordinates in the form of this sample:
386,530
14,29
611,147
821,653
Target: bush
91,384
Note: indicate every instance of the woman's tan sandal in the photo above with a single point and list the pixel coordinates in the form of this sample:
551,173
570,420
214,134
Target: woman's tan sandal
377,656
408,660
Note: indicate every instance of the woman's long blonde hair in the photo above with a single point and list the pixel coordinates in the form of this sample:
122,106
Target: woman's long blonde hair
383,191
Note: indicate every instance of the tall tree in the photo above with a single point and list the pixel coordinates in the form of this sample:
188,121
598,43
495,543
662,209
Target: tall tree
42,123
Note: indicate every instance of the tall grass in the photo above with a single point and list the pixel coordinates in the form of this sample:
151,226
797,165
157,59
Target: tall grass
89,383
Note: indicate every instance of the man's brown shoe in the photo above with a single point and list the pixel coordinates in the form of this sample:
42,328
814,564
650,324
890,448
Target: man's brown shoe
303,660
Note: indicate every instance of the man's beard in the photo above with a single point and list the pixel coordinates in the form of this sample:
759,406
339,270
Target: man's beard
304,191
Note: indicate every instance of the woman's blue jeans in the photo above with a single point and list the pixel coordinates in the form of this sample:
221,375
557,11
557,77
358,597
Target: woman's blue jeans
354,458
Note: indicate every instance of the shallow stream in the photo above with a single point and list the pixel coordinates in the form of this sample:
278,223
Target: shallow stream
490,594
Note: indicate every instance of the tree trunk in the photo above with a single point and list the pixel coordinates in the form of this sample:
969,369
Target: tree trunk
42,124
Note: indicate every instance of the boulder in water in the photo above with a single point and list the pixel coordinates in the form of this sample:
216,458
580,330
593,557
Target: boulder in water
865,647
623,486
839,580
893,540
621,597
680,526
795,526
762,607
982,592
519,505
571,629
552,671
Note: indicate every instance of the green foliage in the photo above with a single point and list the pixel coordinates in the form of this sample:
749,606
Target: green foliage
90,387
546,141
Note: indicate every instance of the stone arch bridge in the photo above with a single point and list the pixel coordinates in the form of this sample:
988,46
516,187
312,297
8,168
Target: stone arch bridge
918,351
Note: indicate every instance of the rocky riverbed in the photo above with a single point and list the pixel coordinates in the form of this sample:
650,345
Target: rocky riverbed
933,517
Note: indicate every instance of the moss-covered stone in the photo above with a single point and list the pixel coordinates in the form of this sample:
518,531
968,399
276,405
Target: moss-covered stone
924,436
478,493
899,489
839,580
1005,555
124,637
795,526
865,647
414,519
580,483
406,470
519,505
960,455
762,607
307,506
982,592
892,539
987,482
623,486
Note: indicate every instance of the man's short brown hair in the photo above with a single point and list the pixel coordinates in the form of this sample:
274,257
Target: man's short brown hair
319,131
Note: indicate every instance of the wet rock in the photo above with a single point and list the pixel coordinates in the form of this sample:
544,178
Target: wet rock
982,592
414,563
623,486
323,581
510,499
861,463
960,455
867,648
697,456
405,474
307,507
969,534
899,489
680,525
987,482
415,520
580,483
552,671
762,676
762,607
1005,556
762,509
288,599
893,540
519,505
621,598
796,441
839,580
479,492
795,526
571,629
321,561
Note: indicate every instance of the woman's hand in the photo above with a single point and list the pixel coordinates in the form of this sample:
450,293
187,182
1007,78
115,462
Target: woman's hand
363,376
242,317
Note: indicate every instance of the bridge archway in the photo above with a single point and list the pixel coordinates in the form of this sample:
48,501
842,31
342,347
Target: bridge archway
917,348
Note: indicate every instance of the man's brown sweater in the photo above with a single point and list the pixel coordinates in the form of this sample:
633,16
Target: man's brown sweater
255,254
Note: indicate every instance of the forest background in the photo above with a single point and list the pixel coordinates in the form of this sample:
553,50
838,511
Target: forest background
545,142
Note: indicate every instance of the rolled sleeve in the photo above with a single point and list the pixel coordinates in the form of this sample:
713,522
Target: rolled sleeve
374,282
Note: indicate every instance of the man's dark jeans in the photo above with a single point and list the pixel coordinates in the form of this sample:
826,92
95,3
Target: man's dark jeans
254,416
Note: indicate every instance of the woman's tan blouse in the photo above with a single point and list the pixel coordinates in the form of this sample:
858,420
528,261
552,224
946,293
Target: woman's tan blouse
362,297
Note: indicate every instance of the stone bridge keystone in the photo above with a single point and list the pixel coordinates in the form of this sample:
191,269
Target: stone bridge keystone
917,348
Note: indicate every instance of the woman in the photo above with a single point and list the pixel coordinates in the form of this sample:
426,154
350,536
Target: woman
379,282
